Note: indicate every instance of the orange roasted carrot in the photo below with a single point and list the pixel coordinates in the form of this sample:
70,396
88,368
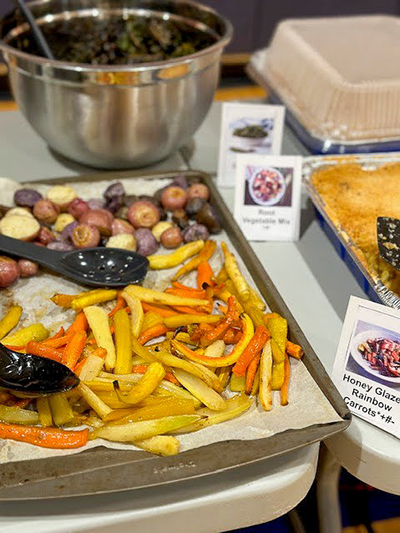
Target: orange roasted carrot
57,335
141,369
119,305
44,437
60,341
198,331
162,310
187,310
232,336
251,373
78,366
285,386
205,275
73,350
23,402
294,350
152,333
100,352
181,286
256,344
79,324
186,294
15,348
220,330
37,348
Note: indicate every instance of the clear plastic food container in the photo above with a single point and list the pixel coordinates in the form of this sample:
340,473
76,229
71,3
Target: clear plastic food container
339,78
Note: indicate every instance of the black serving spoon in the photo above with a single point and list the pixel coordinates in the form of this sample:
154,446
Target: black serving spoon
36,31
34,375
388,231
98,267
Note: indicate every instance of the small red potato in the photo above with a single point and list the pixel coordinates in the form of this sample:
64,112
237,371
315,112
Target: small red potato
9,271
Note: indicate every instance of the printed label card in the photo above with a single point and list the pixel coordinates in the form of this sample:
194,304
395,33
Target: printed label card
367,364
267,197
247,129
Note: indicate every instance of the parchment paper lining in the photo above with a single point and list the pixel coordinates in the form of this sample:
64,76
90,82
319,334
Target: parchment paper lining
307,404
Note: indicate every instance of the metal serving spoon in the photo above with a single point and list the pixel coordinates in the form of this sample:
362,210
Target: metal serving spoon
36,31
388,231
34,375
98,267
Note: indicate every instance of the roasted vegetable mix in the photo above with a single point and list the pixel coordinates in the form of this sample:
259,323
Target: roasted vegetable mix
154,364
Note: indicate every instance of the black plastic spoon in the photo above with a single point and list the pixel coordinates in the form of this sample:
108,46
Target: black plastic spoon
97,267
36,31
34,375
388,232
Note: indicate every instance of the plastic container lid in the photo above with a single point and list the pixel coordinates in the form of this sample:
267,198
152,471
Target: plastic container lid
340,77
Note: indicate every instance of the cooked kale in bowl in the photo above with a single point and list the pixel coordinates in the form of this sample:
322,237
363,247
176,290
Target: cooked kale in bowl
117,40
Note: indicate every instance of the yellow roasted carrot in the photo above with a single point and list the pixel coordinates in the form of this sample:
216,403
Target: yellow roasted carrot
43,408
35,332
94,401
123,344
93,298
142,430
151,379
99,324
165,445
10,320
158,262
135,305
61,411
265,393
235,274
173,322
157,297
205,254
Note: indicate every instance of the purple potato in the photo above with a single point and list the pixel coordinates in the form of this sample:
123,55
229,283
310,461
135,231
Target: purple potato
27,197
194,205
146,243
114,204
115,190
195,233
60,246
95,203
66,234
180,181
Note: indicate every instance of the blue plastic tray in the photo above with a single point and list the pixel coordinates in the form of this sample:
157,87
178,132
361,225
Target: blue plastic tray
320,146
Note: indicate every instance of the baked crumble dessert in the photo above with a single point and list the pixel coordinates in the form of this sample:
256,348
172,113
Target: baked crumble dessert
354,198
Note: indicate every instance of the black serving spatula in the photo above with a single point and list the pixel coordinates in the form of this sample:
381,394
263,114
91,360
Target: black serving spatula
388,230
34,375
98,267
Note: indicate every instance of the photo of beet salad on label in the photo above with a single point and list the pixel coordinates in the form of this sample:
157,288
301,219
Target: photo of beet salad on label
267,186
383,355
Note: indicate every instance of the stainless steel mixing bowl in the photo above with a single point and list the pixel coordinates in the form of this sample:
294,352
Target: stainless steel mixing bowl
116,116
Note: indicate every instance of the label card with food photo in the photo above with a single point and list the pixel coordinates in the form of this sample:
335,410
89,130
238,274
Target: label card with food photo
367,364
247,129
267,197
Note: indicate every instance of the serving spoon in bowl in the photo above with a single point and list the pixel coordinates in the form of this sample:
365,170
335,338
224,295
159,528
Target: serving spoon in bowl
34,375
36,31
97,267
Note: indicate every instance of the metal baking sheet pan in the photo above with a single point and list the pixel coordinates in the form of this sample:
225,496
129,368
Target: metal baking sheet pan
371,285
103,470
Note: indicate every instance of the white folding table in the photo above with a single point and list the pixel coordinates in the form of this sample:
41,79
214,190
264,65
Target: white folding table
316,286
